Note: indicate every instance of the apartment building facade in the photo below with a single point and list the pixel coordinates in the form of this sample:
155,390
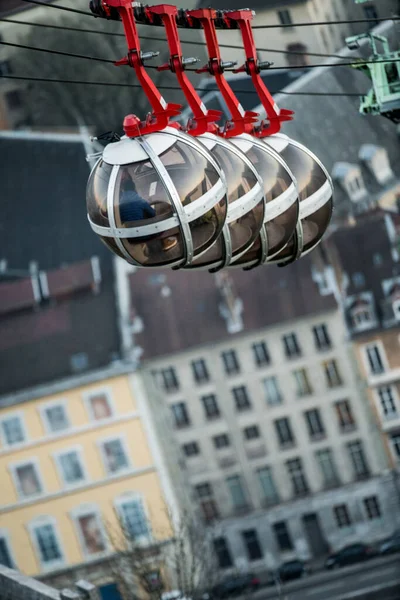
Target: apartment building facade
78,459
369,290
281,452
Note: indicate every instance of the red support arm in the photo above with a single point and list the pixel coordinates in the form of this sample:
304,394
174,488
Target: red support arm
241,121
204,120
162,111
275,114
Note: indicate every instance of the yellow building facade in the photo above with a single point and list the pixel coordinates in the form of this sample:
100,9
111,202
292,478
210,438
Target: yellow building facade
74,464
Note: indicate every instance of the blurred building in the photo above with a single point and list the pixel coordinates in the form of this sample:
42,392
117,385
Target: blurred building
366,258
78,447
298,43
254,372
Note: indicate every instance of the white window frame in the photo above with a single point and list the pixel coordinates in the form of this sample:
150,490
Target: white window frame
362,318
121,437
379,503
333,377
381,350
291,345
23,463
314,421
40,522
132,497
53,404
325,456
84,510
321,335
200,375
396,402
18,414
303,385
271,383
57,459
4,535
87,396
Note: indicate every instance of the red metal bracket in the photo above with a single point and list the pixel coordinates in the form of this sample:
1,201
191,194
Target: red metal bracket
276,115
241,121
162,111
204,119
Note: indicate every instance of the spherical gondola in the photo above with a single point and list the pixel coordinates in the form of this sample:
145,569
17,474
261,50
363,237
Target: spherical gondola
158,200
245,215
281,201
315,193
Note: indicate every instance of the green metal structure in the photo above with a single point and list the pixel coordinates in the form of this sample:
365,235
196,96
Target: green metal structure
384,96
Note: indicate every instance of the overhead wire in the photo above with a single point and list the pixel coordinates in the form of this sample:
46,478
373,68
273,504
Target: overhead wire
168,87
160,39
271,68
270,26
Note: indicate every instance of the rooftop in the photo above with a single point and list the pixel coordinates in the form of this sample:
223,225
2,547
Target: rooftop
57,318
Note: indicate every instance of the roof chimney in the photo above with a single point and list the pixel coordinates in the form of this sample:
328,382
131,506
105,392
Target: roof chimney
231,307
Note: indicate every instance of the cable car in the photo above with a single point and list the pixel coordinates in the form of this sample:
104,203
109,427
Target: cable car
315,190
157,200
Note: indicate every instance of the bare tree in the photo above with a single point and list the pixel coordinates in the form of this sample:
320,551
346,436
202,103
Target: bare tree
58,104
183,562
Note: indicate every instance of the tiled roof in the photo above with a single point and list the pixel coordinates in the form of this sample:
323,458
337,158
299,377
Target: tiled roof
187,314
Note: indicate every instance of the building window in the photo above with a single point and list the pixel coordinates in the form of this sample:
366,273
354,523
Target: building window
327,467
208,505
302,383
14,99
27,480
133,519
296,474
5,553
284,17
223,553
99,404
321,337
180,414
170,379
395,439
55,417
252,544
191,449
344,415
284,432
48,547
13,431
282,536
361,317
236,489
230,361
342,515
200,371
358,459
297,55
375,360
292,348
242,401
314,423
211,407
372,507
268,488
70,466
251,433
333,378
387,402
114,455
370,12
272,393
91,534
221,441
5,68
261,355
